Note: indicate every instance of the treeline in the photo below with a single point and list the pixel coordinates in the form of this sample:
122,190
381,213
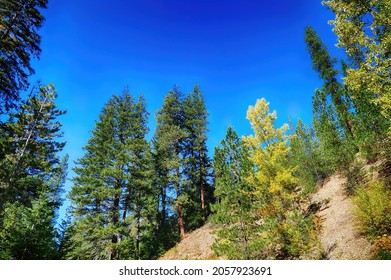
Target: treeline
134,198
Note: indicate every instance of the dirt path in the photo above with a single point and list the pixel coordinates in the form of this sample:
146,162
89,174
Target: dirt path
338,235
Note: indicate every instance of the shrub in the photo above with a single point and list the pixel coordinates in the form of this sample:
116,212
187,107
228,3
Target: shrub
383,247
374,209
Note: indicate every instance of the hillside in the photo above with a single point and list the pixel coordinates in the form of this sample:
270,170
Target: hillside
196,246
338,236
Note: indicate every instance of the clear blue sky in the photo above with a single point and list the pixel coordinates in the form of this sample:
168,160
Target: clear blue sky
237,51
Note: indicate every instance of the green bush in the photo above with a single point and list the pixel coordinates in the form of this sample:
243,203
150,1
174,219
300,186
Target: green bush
374,209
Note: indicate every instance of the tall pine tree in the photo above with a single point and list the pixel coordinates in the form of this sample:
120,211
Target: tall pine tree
19,42
112,190
169,141
32,176
196,162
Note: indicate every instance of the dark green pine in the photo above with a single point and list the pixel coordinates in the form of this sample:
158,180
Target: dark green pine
112,190
324,65
19,43
197,167
32,177
233,210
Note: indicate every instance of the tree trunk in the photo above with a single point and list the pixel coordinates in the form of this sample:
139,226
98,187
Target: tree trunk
203,209
180,221
137,253
115,221
202,189
244,236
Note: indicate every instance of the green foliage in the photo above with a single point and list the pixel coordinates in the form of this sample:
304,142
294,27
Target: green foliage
169,139
258,198
112,197
32,177
332,88
19,42
363,31
374,208
197,167
236,201
332,116
181,161
306,154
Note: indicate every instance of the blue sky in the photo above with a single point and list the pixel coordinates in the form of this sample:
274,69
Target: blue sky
237,51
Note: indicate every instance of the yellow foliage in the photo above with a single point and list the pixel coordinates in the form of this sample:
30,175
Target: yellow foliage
374,208
269,151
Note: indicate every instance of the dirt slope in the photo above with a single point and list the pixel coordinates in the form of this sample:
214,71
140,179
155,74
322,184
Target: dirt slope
338,234
196,246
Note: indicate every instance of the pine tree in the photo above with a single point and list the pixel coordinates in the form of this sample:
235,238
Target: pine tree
235,209
324,65
31,177
306,154
335,147
332,116
349,112
169,141
19,42
197,163
112,190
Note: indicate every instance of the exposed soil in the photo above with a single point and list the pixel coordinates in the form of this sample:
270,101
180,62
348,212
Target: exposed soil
338,234
196,246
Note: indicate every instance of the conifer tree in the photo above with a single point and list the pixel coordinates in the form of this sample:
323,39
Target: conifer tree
332,118
169,141
306,154
19,42
32,176
324,65
349,112
112,190
235,209
197,163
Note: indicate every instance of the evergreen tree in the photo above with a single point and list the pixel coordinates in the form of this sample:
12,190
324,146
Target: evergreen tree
112,190
19,42
348,111
170,136
307,156
331,106
235,209
324,65
197,163
335,147
31,178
